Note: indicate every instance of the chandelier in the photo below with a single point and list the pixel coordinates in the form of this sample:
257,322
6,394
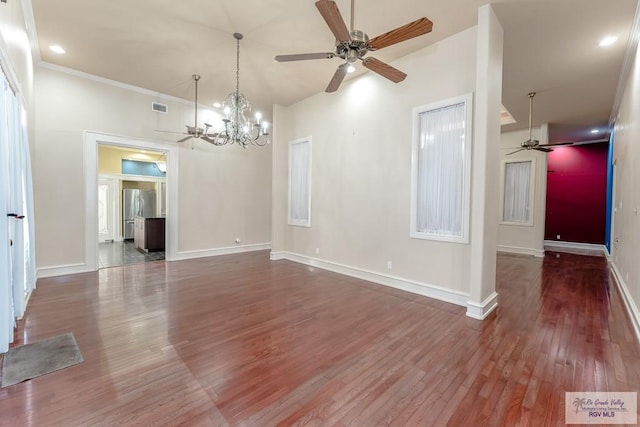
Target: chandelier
236,128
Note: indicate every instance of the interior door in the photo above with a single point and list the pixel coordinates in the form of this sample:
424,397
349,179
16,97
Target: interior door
106,210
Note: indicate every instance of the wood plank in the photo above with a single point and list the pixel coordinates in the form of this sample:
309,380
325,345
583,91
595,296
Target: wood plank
244,340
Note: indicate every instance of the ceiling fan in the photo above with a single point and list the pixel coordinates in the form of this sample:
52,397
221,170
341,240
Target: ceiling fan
534,144
353,45
194,131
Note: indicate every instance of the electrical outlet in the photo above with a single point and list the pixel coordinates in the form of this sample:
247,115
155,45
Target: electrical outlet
557,237
317,251
389,265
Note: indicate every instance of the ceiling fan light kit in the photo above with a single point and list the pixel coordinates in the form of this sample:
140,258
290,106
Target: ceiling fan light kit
352,45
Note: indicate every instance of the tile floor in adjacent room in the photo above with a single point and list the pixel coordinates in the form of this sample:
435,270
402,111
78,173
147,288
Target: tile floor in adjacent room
114,254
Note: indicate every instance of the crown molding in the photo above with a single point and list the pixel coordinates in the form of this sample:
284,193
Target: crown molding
627,65
120,85
32,32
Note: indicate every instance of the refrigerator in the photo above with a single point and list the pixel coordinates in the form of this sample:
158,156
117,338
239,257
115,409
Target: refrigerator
136,203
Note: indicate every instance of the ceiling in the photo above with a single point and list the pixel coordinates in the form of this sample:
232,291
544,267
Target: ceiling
551,47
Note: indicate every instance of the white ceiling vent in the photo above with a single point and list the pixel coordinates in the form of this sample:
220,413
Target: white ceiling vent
160,108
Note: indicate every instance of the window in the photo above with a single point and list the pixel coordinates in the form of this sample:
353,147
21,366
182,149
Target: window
517,192
300,182
441,170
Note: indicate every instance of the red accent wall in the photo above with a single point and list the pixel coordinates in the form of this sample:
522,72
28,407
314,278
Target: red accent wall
577,193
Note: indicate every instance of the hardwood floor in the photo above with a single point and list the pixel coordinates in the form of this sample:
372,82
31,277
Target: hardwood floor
241,340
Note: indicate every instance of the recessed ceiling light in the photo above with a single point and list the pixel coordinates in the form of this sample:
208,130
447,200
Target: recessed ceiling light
217,105
594,131
608,41
57,49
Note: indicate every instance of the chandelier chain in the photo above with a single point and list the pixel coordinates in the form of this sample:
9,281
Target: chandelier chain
237,66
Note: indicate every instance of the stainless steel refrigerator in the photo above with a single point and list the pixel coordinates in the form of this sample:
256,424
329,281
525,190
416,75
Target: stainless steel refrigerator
136,203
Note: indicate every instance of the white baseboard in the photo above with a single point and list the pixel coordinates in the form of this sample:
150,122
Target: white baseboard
632,308
63,270
203,253
573,245
519,250
26,303
482,310
431,291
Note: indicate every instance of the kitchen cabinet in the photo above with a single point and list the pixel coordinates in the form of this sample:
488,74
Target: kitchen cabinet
149,233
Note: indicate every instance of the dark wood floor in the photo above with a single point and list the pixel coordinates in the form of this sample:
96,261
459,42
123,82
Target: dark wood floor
244,340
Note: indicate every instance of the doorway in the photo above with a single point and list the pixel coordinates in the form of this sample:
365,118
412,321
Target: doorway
106,245
130,194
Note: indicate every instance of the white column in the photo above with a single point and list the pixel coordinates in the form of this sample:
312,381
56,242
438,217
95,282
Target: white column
486,168
540,203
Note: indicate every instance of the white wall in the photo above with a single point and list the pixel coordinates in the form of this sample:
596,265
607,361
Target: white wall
223,192
362,170
625,234
525,239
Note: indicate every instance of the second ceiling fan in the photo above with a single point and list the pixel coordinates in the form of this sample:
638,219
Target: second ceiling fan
534,144
353,45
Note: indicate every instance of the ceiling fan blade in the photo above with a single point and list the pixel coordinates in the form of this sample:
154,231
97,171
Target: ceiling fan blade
413,29
170,131
556,144
543,149
331,14
514,152
385,70
305,56
186,138
337,78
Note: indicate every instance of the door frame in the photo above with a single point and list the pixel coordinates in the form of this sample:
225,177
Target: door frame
112,208
91,141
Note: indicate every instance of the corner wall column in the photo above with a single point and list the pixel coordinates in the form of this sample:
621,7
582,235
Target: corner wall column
485,166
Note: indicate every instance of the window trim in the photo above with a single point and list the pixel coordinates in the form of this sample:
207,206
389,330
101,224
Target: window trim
467,100
290,221
532,180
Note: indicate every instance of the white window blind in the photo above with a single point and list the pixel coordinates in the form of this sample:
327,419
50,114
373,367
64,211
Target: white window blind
441,170
517,192
300,182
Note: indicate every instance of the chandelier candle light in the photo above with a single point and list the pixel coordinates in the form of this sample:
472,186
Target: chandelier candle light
236,127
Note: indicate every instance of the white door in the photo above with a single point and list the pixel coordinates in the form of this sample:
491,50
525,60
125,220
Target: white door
106,210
